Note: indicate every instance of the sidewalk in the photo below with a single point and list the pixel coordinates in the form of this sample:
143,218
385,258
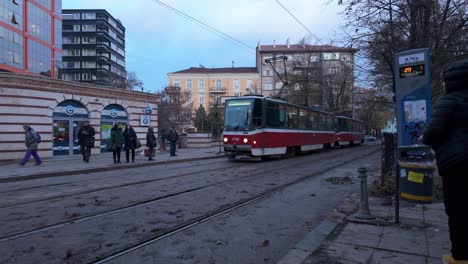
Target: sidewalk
61,166
421,237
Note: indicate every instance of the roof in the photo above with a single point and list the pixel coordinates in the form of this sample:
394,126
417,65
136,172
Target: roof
301,48
203,70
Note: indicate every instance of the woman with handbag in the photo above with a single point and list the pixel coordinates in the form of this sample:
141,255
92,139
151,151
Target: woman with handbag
117,140
131,142
150,143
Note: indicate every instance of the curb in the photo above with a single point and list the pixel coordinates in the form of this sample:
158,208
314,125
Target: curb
314,239
101,169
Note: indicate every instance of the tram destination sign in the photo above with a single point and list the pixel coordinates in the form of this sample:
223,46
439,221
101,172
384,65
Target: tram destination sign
240,103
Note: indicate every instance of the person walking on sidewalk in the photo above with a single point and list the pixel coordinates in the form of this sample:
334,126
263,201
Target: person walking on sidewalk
130,139
150,143
117,140
32,143
172,137
86,140
447,134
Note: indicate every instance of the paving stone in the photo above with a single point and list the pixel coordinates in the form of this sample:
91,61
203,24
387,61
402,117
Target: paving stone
355,237
434,260
385,257
435,216
440,236
437,250
437,206
352,253
408,241
364,228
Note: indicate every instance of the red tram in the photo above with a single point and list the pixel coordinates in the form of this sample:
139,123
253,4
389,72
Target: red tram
259,126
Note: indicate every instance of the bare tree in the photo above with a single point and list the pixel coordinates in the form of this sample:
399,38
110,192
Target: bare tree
174,108
132,82
338,89
382,28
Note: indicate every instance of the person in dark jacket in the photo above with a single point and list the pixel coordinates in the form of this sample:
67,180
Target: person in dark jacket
150,143
31,141
117,140
172,137
130,142
447,134
86,140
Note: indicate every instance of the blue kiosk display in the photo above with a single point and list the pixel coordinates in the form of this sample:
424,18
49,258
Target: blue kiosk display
413,108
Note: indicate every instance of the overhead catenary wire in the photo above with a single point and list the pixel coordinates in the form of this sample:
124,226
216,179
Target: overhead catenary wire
298,21
204,25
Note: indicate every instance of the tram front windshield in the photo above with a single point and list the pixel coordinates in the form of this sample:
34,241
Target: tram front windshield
238,115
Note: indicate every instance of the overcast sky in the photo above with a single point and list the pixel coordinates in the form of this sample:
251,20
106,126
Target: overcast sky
159,41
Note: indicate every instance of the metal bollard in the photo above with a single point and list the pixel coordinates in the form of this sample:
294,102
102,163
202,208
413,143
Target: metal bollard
364,212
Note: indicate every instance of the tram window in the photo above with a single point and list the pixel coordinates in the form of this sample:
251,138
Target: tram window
275,115
292,117
330,122
323,121
257,113
303,119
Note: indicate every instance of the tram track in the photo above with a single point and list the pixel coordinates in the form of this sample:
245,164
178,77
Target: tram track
113,187
94,179
221,211
149,201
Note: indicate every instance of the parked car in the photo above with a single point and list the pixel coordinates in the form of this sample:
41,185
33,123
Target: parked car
370,138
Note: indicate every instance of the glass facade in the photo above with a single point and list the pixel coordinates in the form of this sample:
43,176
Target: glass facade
39,60
11,48
12,14
39,23
26,41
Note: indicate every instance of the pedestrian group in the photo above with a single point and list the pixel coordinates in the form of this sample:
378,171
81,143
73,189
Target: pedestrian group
127,139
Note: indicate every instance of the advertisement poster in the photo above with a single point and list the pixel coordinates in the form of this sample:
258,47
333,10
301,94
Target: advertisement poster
105,130
415,111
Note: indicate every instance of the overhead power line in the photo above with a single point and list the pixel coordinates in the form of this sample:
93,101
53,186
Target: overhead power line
298,21
205,25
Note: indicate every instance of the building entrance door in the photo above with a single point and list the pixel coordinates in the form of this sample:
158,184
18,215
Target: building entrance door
68,117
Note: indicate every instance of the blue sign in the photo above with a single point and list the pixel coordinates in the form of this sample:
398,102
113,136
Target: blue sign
113,113
148,110
413,94
70,110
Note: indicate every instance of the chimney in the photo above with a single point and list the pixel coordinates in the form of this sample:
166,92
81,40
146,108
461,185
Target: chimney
233,64
274,43
332,43
287,43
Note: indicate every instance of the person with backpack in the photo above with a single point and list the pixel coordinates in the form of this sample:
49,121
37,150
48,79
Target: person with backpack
32,140
131,141
447,134
116,141
172,137
86,140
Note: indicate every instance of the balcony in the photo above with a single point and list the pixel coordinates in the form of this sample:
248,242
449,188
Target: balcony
218,90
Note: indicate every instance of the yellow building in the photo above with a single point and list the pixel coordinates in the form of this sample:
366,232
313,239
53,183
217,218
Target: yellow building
210,86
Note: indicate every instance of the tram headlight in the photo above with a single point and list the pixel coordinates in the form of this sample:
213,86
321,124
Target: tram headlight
225,140
254,142
246,140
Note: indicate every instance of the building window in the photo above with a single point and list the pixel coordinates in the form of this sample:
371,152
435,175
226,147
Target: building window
89,64
314,58
278,85
88,40
89,52
176,83
76,16
88,15
76,28
76,77
333,70
88,77
345,57
201,100
189,85
89,28
331,56
267,86
218,85
39,23
249,85
267,73
201,85
236,85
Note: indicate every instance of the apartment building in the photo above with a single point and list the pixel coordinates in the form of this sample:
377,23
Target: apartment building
94,47
211,86
30,36
321,66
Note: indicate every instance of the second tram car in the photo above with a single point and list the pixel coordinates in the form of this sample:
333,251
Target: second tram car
260,126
